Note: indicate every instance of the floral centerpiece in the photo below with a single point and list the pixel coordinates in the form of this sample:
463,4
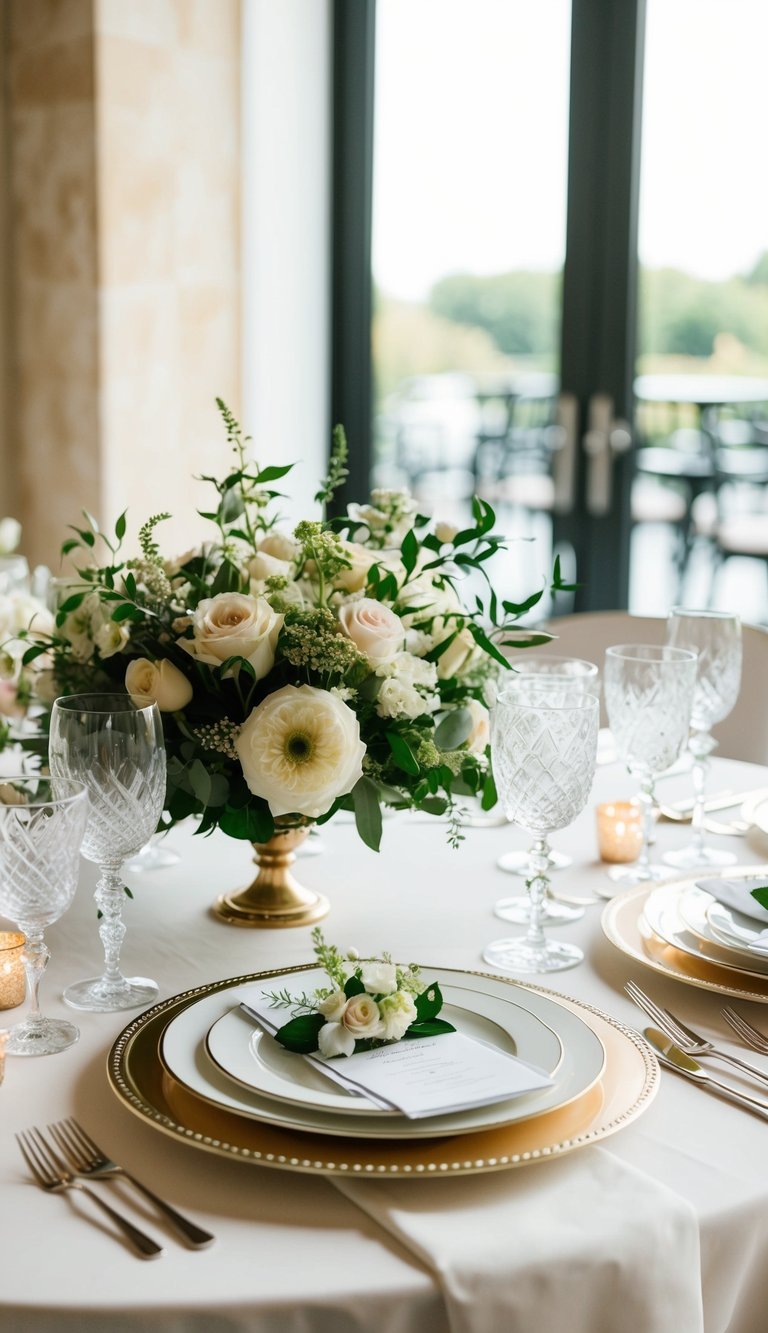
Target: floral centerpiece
335,666
369,1002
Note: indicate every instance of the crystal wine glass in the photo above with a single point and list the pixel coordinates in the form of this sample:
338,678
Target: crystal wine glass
648,697
41,828
547,669
544,746
115,748
716,637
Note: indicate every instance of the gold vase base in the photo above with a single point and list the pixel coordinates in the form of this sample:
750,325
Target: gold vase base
274,900
242,909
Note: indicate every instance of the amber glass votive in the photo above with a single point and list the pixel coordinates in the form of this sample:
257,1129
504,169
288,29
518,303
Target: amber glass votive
619,831
13,978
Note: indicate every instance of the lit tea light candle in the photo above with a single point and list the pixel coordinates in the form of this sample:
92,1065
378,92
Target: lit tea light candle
619,831
13,980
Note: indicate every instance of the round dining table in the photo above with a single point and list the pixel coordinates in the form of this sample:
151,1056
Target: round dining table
660,1226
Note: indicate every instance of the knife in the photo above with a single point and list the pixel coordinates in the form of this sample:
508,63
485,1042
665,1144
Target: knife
682,810
673,1058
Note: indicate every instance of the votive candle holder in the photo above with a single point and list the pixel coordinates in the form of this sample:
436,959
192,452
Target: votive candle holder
619,831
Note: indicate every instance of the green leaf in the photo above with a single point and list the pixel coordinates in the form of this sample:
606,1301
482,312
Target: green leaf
120,526
32,653
367,812
434,805
520,608
252,822
272,474
434,1027
482,640
403,754
429,1003
490,795
453,729
353,986
126,612
300,1034
70,545
409,550
72,603
227,578
760,895
200,781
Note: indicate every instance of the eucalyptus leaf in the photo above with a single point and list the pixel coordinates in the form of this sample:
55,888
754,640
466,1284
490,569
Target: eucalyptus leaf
367,812
453,729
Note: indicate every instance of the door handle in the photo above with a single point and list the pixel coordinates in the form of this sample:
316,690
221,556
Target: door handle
604,440
564,458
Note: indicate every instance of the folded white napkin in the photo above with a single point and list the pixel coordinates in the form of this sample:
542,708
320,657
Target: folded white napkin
586,1244
735,893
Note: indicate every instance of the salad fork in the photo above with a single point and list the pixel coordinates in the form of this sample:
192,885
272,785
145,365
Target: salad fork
51,1175
87,1159
692,1043
750,1035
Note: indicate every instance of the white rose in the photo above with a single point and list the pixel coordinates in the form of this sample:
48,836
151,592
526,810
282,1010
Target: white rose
379,978
280,545
300,749
362,1017
263,566
111,637
458,656
235,625
445,532
480,734
10,535
360,561
373,628
162,682
334,1039
333,1006
397,1012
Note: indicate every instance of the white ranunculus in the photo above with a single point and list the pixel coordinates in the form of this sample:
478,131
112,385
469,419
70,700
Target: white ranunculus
378,978
280,545
335,1039
480,734
111,637
397,698
362,1017
333,1006
397,1012
458,656
300,749
410,670
373,628
10,535
162,682
360,561
235,625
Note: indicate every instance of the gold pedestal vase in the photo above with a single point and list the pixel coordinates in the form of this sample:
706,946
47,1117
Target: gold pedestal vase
275,899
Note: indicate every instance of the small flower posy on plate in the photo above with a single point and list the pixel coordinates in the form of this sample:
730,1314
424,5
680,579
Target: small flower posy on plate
370,1002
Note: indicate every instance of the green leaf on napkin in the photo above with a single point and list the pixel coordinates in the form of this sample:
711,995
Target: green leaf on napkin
435,1027
429,1003
300,1034
760,894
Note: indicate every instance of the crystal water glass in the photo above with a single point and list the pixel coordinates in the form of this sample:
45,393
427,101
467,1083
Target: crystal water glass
115,747
543,746
648,696
548,669
42,824
716,637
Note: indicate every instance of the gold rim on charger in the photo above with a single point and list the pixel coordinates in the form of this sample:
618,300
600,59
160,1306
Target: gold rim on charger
628,1085
624,925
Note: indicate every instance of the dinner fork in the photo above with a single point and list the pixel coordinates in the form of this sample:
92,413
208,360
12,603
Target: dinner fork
692,1043
750,1035
52,1176
87,1159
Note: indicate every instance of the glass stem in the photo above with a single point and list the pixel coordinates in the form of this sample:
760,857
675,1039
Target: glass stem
538,888
109,900
646,800
36,956
700,746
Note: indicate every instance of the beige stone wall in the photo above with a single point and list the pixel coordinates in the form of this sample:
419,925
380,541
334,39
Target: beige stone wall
125,199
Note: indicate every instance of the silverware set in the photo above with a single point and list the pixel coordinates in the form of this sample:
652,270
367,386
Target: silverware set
68,1156
679,1048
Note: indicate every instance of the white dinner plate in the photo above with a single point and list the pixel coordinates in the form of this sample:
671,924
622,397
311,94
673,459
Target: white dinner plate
712,921
263,1065
183,1053
662,913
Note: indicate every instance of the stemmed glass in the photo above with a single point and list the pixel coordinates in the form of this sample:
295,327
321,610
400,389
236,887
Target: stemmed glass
115,747
548,670
41,829
716,637
648,696
544,746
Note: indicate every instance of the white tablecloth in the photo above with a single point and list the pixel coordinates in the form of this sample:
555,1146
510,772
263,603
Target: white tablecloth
293,1253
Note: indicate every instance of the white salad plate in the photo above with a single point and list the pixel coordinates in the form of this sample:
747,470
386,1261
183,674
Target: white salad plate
670,913
739,933
730,931
576,1056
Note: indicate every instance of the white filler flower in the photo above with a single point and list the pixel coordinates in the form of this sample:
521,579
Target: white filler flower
300,749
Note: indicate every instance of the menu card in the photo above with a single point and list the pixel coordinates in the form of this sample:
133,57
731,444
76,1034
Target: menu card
422,1076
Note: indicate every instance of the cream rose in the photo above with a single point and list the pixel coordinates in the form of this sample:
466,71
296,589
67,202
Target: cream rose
373,628
280,545
360,561
458,656
333,1006
335,1039
480,734
300,749
362,1017
378,978
265,566
235,625
162,682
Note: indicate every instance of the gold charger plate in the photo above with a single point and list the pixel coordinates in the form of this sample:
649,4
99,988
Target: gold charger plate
625,926
628,1084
